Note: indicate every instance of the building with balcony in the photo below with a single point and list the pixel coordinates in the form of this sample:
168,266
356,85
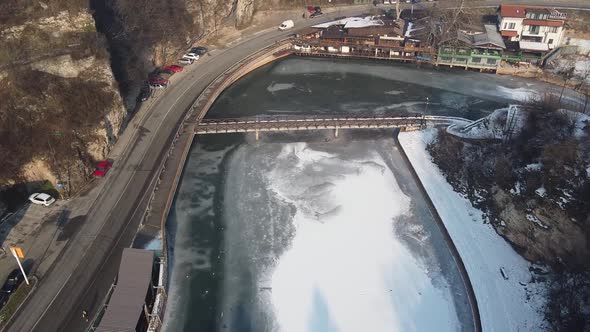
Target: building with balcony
472,49
532,24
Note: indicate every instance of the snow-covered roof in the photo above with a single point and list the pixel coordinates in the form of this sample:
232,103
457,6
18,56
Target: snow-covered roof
411,29
533,46
352,22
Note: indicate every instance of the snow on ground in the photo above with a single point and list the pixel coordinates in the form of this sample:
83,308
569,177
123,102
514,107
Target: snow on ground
154,244
345,269
489,127
504,305
581,121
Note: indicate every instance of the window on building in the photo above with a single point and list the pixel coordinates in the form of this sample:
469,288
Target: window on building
550,41
511,25
505,25
553,29
476,60
534,29
491,61
445,58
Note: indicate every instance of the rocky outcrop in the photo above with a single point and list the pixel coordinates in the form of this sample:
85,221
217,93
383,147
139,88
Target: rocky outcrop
244,12
544,233
61,109
63,65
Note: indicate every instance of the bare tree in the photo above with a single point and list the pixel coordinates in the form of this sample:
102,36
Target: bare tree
566,73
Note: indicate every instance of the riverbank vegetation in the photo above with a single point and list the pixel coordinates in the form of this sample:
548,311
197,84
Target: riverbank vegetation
535,189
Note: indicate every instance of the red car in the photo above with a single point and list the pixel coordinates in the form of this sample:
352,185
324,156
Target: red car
102,168
174,68
313,9
158,81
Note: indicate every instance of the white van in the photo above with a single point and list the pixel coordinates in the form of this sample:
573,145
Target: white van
286,25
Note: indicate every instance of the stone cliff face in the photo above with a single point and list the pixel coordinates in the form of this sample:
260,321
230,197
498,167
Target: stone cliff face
66,87
61,108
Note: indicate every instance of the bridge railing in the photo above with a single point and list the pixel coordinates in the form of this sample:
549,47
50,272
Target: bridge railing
313,117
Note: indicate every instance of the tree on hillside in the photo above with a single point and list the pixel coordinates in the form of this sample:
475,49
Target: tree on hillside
566,73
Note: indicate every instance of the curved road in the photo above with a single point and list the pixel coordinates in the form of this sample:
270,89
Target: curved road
82,275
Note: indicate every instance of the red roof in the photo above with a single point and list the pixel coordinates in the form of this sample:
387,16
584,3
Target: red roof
507,33
517,10
544,23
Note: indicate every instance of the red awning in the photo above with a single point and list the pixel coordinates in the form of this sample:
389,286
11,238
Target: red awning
544,23
507,33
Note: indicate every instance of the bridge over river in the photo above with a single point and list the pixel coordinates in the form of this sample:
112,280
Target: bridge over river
406,122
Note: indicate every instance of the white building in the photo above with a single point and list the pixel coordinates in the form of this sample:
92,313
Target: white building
532,24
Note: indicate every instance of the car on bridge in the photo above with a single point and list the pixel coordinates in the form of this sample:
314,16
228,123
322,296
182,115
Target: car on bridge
102,167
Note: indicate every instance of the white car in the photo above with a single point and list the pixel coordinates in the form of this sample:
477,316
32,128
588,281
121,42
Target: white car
193,56
186,61
42,199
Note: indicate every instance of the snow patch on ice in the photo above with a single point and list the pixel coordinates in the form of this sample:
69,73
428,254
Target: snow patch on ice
274,87
393,92
520,94
324,281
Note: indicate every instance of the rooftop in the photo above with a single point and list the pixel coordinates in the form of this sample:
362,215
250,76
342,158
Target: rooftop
519,11
490,36
352,22
126,304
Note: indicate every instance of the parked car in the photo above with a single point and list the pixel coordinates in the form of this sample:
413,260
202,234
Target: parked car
311,9
317,9
15,278
316,14
102,167
288,24
158,85
174,68
200,50
159,81
186,61
42,199
3,299
144,94
193,56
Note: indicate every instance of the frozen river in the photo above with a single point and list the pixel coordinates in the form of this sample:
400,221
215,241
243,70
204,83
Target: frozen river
308,233
305,232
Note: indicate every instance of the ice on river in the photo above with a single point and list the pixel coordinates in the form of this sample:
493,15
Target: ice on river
345,269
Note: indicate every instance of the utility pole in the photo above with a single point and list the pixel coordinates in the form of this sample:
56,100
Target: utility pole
18,254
